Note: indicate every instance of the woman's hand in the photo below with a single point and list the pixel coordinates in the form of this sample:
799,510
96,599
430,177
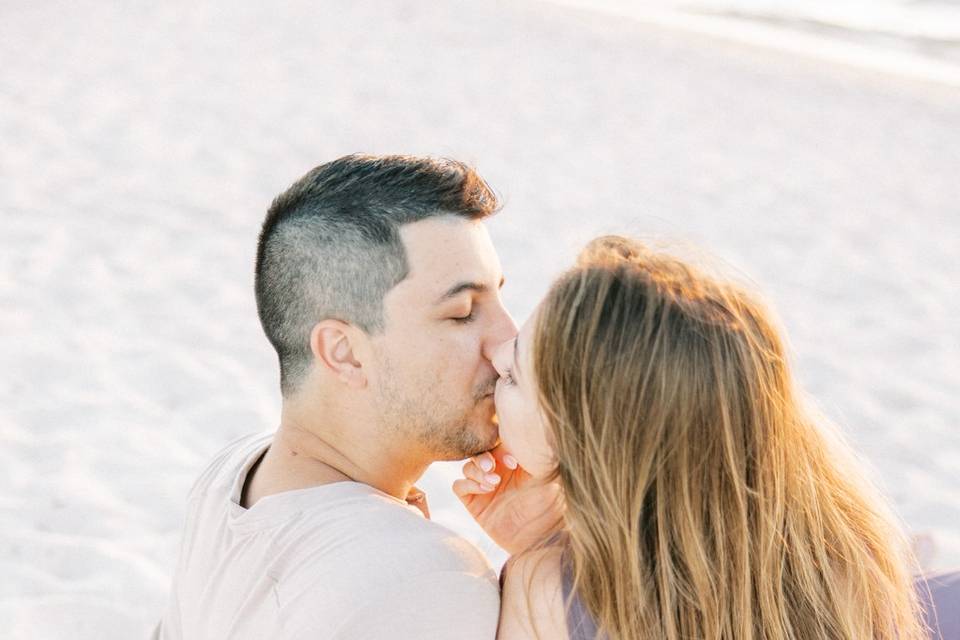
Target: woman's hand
417,498
514,508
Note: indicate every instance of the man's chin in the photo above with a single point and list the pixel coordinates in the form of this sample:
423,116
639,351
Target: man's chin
477,438
487,444
489,427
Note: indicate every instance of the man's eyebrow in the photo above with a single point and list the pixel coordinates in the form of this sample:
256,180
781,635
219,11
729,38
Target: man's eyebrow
460,287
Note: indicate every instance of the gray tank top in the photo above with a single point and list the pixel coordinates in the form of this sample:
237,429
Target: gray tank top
580,625
940,599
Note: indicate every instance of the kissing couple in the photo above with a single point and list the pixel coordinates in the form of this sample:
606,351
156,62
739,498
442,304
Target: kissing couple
640,448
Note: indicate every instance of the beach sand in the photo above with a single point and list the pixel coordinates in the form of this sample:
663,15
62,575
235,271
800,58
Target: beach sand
141,145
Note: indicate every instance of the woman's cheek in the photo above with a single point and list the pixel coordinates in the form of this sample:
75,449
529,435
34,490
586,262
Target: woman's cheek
548,455
507,422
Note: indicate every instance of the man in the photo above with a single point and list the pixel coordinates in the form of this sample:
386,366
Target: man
378,287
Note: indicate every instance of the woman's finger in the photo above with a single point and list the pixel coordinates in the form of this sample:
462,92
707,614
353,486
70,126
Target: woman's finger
466,487
485,461
502,457
472,471
417,498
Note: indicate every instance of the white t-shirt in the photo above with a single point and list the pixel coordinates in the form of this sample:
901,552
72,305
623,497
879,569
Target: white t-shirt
340,560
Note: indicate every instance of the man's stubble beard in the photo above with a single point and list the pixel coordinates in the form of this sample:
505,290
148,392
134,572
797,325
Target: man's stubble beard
447,432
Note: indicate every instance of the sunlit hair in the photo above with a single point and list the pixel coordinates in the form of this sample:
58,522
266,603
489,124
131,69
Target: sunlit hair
703,499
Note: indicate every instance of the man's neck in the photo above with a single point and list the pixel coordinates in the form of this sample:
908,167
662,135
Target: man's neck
304,455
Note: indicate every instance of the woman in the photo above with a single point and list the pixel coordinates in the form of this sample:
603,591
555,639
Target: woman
700,498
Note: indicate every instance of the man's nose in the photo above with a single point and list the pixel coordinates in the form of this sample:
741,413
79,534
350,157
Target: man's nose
501,331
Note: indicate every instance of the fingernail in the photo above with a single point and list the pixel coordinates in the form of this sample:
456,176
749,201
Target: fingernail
510,461
492,478
486,464
486,487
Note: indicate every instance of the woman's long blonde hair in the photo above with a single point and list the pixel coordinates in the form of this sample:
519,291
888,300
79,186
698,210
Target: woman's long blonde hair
703,500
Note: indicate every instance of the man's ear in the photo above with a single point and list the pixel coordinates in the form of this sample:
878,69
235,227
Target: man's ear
332,343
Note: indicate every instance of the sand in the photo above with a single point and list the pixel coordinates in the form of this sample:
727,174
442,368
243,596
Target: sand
141,145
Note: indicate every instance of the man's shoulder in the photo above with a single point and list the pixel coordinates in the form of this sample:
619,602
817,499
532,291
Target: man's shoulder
451,550
392,573
386,528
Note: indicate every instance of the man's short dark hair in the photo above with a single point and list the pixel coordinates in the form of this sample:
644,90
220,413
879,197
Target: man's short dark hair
330,244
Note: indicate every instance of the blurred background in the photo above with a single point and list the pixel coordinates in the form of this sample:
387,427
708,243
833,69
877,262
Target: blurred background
813,147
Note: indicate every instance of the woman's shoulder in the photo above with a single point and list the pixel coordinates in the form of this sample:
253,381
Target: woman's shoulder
532,599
